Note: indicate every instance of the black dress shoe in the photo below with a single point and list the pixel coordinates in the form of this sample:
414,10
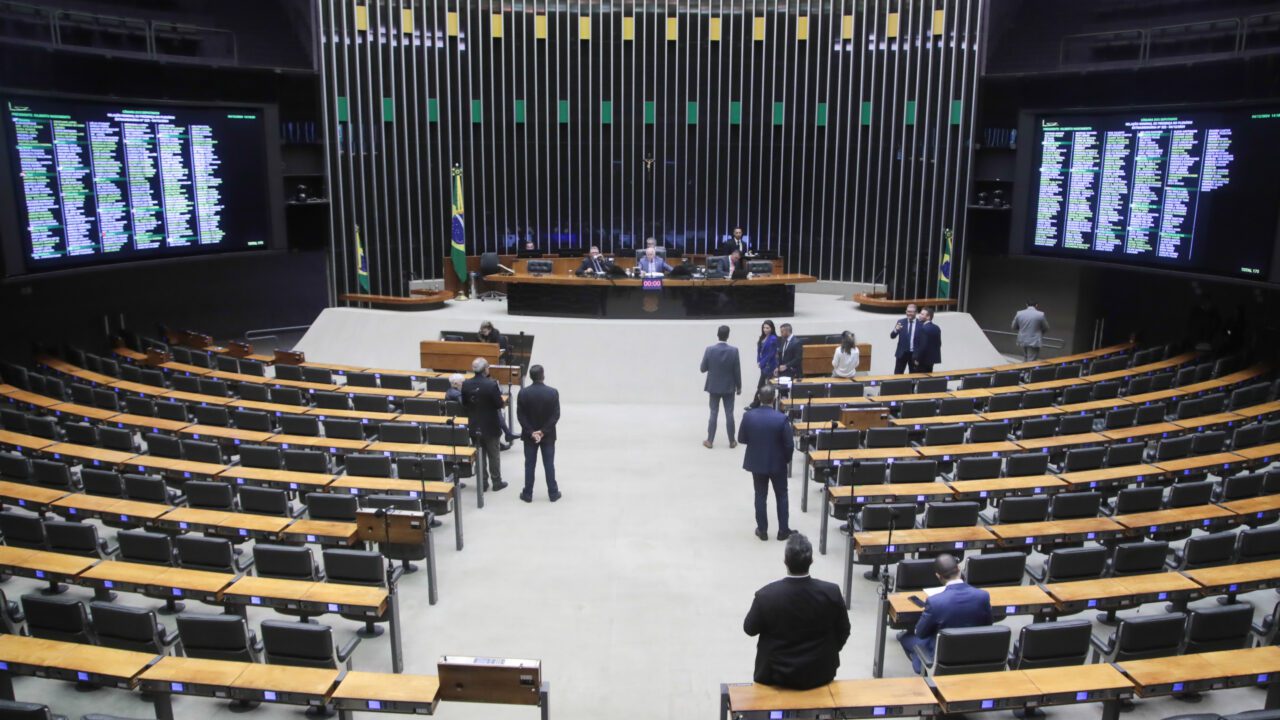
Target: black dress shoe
845,528
783,535
499,485
503,447
762,534
526,498
555,496
733,444
436,523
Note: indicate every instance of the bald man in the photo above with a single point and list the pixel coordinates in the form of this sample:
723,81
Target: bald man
959,605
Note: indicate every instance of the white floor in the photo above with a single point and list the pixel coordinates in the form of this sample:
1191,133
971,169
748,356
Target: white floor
631,589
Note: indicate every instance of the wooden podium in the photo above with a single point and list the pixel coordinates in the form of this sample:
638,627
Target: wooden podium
863,418
395,527
447,355
490,680
816,359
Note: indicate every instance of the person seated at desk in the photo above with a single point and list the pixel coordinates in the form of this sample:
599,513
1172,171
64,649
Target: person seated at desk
454,393
731,265
594,262
801,622
650,263
957,605
530,250
489,334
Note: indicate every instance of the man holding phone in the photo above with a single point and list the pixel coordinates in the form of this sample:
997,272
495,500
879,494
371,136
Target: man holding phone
958,605
905,332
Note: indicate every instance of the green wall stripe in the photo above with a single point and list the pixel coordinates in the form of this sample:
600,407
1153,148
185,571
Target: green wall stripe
735,112
866,112
957,111
342,109
562,111
477,111
910,112
433,110
820,115
518,111
691,113
779,113
388,109
606,112
650,112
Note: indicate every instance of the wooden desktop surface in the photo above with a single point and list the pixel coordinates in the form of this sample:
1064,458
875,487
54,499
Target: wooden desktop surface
984,686
949,451
316,682
193,671
1102,475
756,697
882,692
1035,483
1018,531
417,689
1142,431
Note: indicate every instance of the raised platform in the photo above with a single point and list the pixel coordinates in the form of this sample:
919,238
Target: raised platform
635,361
880,302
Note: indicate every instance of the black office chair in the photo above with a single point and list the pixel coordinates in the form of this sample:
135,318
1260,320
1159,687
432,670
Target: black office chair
130,628
213,554
422,406
989,432
359,567
57,618
287,562
43,426
80,433
955,406
398,432
1257,544
995,569
1034,508
201,451
332,506
1218,627
973,382
1137,558
1136,500
968,650
898,387
1141,637
312,461
362,379
149,488
13,420
1070,564
913,471
108,483
288,372
1189,494
931,385
210,495
290,396
1118,418
1038,399
218,637
404,382
165,446
306,425
935,435
261,456
950,514
1038,428
1124,454
23,531
1247,436
16,710
914,574
266,501
1075,424
1065,506
11,617
1078,459
918,409
53,474
1206,443
117,439
368,465
1042,374
15,467
1077,394
900,516
215,415
887,437
254,420
977,468
835,440
1172,449
1004,402
254,391
343,428
452,435
304,645
1051,644
1108,390
331,400
1150,414
77,538
1205,551
850,389
862,472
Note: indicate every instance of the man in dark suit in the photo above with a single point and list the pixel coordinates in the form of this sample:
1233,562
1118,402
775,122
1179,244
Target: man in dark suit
959,605
928,350
768,436
724,380
594,262
731,265
483,402
538,411
905,331
790,353
734,242
801,622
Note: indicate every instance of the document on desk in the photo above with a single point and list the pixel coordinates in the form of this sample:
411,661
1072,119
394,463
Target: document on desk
934,590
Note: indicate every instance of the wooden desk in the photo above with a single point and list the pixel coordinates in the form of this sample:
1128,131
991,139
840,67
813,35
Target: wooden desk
201,585
431,419
81,506
27,655
893,697
192,397
269,407
334,597
190,676
363,415
26,397
921,423
1120,592
1006,486
1207,463
284,684
1082,683
223,523
215,432
1004,690
1155,430
1200,517
1265,453
42,565
464,452
1009,600
31,497
124,576
409,694
89,455
1204,671
1029,413
305,441
176,468
22,441
1233,579
283,479
758,702
1260,411
95,665
185,368
352,390
137,388
324,532
821,457
1094,406
267,592
1205,422
946,453
1104,477
1256,507
1074,530
930,539
1054,384
144,423
82,411
359,485
1058,442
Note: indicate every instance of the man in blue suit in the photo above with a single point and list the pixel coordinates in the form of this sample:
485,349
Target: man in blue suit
768,438
959,605
905,331
928,350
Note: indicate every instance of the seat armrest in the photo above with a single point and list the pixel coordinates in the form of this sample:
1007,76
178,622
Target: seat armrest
396,572
319,572
344,652
168,637
255,645
177,498
297,512
926,662
1038,577
1103,647
242,563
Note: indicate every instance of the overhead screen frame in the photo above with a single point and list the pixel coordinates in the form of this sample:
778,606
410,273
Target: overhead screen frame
1024,170
12,253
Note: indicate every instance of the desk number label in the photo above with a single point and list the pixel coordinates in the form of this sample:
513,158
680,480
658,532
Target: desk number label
333,607
877,711
1011,610
255,600
375,704
82,676
108,584
268,695
988,704
1177,687
176,686
1263,677
177,592
1093,603
311,538
4,666
1081,696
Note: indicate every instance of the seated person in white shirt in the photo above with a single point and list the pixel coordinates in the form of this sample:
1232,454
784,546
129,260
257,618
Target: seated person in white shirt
845,362
650,263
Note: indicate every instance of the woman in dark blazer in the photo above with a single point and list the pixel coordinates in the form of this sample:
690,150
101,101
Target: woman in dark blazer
766,355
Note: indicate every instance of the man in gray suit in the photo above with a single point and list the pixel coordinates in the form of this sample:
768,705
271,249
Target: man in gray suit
1031,326
724,380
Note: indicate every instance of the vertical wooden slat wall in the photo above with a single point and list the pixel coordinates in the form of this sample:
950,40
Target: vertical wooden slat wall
836,132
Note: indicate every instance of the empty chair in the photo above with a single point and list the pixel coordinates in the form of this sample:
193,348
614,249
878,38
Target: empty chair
81,433
931,385
968,650
1077,394
226,363
43,426
913,471
13,420
398,382
822,439
331,506
1068,564
254,391
218,637
170,410
357,567
1162,381
1007,378
1106,390
1065,506
212,386
428,406
140,406
850,389
1038,428
331,400
1026,464
887,437
204,553
1121,417
935,435
1255,544
1005,402
1137,558
261,456
149,488
955,406
288,372
57,618
141,546
1038,399
1187,494
455,435
1213,403
914,574
307,425
400,433
342,428
862,472
1205,551
287,396
1138,499
414,467
265,501
1208,442
989,432
304,645
918,409
252,420
371,403
287,562
212,415
369,465
1142,637
210,495
362,379
1089,458
1124,454
1022,509
18,710
971,382
108,483
1149,414
165,446
1075,424
200,358
1066,372
52,474
23,531
77,538
252,367
81,394
1185,376
977,468
15,467
306,461
201,451
117,439
898,387
130,628
1218,627
106,399
317,375
1247,436
899,516
1042,374
995,569
950,514
1051,644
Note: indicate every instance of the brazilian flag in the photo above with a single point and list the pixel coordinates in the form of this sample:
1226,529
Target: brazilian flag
458,249
944,266
362,264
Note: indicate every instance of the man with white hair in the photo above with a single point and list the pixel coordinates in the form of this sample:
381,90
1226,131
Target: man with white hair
482,399
454,393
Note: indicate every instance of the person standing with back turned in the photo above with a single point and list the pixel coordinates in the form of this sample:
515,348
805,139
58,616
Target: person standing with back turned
483,401
538,410
724,380
1031,325
768,437
801,622
928,352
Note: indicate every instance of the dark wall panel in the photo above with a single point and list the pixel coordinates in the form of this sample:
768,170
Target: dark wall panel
834,132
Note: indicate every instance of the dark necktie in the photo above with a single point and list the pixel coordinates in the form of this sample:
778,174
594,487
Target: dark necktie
596,263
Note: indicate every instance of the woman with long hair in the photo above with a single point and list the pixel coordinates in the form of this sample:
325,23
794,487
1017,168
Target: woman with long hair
845,362
766,355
